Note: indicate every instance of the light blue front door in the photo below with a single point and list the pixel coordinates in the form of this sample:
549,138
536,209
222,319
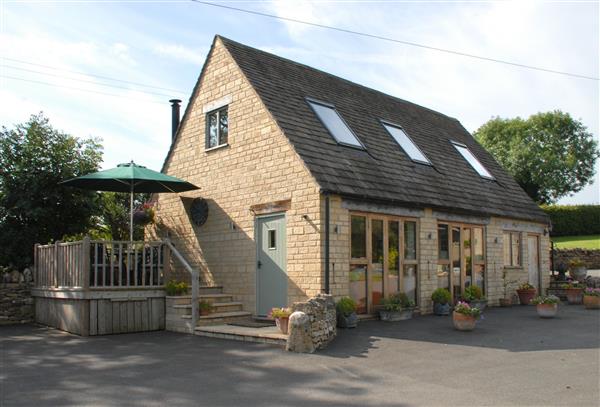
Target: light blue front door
272,280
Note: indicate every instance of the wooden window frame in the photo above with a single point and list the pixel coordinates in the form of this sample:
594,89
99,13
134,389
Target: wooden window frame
510,234
217,111
367,261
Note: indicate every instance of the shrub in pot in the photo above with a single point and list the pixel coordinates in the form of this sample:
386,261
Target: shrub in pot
282,317
546,306
174,288
574,292
464,316
441,301
507,284
474,296
396,307
577,269
526,292
205,307
591,298
346,313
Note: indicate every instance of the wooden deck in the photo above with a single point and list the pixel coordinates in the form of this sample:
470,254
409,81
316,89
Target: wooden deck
101,287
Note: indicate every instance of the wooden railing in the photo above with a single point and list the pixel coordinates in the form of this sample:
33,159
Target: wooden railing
101,264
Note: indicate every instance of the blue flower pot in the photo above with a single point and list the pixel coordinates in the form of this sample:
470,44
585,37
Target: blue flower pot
441,309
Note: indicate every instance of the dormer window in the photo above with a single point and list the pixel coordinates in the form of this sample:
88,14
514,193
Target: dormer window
472,160
406,143
217,128
334,123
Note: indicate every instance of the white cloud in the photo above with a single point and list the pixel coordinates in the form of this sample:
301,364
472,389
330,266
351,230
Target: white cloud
180,53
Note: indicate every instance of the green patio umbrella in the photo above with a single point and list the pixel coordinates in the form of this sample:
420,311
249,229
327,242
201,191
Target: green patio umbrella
131,178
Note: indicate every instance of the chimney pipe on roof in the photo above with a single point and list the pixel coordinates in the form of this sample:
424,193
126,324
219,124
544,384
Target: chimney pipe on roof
175,105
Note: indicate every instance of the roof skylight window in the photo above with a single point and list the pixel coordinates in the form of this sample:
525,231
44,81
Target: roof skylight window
472,160
406,143
334,123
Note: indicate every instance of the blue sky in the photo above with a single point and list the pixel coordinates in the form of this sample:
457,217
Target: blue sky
163,44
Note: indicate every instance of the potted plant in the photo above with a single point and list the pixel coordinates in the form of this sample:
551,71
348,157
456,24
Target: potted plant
205,307
526,292
281,316
507,284
591,298
346,313
464,316
145,214
396,307
174,288
574,292
546,306
474,296
577,269
441,301
562,270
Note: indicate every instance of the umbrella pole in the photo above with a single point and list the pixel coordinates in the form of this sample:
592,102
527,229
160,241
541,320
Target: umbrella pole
131,214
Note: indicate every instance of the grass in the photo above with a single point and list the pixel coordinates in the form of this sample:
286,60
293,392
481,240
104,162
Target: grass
577,242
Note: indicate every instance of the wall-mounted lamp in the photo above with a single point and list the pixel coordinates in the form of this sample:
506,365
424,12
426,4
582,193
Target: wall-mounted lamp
429,236
336,229
496,240
545,232
305,217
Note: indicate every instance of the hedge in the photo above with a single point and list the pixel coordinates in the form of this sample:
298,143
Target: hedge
574,220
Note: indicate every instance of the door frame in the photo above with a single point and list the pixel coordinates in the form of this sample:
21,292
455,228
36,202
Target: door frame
539,260
257,219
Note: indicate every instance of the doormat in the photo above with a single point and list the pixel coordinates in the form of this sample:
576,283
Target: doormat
252,324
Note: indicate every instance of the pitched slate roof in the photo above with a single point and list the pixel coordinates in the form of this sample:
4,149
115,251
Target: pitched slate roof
383,172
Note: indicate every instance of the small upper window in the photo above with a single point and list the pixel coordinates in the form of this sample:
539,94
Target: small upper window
405,142
335,124
217,128
472,160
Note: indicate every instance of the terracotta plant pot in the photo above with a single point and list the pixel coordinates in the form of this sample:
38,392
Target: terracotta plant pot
204,312
591,302
463,322
547,310
282,324
574,295
525,296
505,302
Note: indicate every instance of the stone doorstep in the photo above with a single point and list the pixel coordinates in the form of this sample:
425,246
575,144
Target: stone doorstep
270,334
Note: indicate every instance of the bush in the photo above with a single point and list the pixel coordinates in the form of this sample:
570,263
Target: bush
396,302
472,292
441,296
346,306
175,288
574,220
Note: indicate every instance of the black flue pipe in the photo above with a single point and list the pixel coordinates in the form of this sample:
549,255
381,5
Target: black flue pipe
175,106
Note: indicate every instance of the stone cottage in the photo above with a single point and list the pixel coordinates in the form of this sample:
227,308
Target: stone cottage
311,183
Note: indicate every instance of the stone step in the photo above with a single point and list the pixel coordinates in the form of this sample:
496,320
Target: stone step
270,335
218,307
217,318
187,299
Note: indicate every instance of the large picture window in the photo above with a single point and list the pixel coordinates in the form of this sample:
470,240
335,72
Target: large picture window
383,259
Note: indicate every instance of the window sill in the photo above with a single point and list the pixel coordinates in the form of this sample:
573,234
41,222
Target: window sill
206,150
513,267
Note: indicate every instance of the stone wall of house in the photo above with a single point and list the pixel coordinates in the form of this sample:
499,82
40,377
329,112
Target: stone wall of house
258,166
16,303
321,311
591,258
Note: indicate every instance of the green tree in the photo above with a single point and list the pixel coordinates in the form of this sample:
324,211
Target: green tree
114,215
34,207
550,154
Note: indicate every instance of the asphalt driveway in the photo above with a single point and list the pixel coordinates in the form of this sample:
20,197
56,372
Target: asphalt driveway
513,358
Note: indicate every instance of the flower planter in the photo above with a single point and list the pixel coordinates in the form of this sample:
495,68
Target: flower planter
393,316
204,312
282,324
463,322
578,273
547,310
481,304
505,302
441,309
574,295
591,302
525,296
350,321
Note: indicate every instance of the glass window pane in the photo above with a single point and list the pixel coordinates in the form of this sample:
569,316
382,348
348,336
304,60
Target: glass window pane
212,140
468,258
358,237
478,276
358,287
377,284
478,244
456,287
377,241
443,276
272,239
409,147
473,161
335,125
516,249
393,257
223,126
409,281
443,253
410,240
507,245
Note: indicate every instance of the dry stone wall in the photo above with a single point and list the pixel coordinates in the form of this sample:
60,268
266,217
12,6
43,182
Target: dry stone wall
321,312
591,258
16,303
